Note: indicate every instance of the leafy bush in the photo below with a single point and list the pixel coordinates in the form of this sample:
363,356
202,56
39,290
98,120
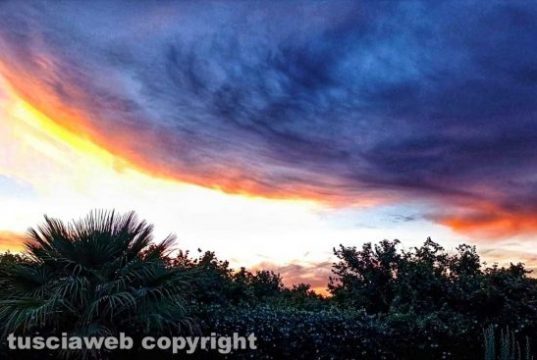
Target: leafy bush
286,333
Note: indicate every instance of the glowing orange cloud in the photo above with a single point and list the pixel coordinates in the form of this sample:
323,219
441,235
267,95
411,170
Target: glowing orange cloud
10,241
492,222
314,274
77,126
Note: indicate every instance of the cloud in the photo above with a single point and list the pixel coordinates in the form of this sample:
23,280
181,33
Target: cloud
315,274
10,241
339,101
491,222
504,257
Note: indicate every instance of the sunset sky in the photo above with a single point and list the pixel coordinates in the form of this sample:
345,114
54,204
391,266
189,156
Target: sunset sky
272,132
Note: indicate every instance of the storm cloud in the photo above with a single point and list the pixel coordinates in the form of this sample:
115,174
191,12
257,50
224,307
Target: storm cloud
346,102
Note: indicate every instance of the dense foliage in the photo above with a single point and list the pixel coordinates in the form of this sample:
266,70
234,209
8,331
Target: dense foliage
94,277
102,276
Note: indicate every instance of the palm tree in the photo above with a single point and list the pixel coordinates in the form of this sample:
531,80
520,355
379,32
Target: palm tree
94,277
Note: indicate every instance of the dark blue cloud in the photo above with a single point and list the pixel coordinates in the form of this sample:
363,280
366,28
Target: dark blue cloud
348,100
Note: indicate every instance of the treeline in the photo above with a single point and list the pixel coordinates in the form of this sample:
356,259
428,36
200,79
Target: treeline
103,275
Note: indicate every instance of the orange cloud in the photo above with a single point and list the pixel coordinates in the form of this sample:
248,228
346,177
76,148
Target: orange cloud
66,120
314,274
10,241
491,222
504,257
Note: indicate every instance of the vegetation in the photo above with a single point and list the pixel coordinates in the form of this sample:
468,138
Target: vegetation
94,277
507,347
102,275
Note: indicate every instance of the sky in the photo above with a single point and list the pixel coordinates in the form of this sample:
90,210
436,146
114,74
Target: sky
272,132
